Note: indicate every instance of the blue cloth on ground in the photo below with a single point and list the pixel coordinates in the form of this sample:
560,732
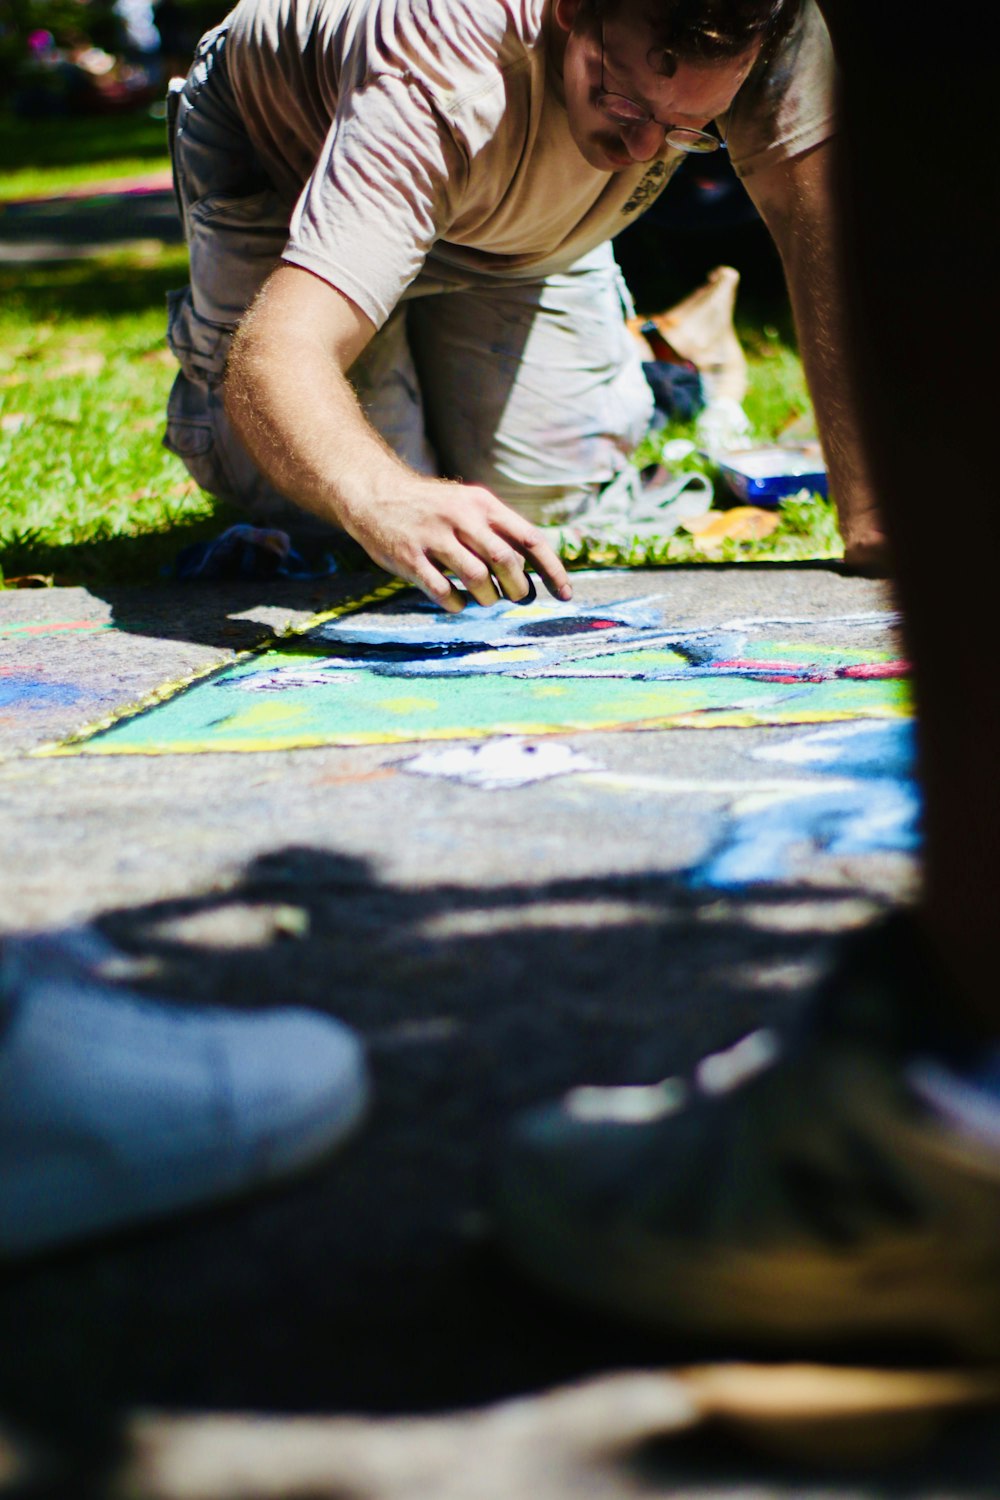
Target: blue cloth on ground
677,389
244,551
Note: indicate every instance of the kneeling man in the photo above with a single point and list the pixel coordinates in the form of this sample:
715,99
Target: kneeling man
404,315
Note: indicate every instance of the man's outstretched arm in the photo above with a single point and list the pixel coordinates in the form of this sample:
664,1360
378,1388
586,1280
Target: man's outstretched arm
289,399
795,200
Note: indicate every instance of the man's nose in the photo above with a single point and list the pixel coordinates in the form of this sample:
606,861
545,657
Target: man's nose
643,141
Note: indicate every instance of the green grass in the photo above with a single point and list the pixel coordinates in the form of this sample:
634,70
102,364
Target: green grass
777,402
86,490
87,493
777,406
47,156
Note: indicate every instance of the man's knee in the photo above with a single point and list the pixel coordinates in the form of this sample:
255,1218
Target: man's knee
535,391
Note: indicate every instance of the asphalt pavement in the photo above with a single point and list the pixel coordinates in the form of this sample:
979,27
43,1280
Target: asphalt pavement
493,947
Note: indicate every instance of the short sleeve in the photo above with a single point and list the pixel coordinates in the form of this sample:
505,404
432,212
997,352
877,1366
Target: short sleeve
786,106
384,190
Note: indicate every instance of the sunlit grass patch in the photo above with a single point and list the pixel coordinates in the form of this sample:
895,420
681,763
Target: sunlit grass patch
87,492
84,377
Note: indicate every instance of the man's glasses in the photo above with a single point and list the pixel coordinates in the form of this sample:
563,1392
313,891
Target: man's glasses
625,111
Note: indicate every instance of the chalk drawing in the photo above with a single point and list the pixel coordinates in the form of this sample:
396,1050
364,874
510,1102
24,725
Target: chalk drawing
877,810
23,689
870,750
504,762
53,627
422,624
412,672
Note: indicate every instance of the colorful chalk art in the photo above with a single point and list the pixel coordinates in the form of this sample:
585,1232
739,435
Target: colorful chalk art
404,670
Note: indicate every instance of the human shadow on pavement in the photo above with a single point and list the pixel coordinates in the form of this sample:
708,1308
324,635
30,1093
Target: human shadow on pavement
215,613
370,1284
220,613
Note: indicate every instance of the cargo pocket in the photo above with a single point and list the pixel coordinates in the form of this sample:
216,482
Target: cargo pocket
201,348
234,243
190,433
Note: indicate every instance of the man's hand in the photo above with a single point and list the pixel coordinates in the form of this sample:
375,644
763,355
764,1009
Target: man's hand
289,398
429,527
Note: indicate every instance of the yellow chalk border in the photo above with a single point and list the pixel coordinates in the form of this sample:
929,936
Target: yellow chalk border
687,719
74,744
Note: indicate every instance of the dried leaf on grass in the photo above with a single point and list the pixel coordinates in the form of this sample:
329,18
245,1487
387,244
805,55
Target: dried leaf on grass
83,364
744,523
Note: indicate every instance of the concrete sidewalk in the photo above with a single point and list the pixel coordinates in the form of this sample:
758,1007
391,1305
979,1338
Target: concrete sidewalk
493,947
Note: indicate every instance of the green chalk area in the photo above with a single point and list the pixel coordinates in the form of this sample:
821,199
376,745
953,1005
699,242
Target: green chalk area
354,705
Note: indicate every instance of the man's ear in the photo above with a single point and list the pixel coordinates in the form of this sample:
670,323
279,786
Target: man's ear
565,13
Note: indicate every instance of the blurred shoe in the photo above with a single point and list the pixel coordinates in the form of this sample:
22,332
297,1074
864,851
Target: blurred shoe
115,1109
842,1192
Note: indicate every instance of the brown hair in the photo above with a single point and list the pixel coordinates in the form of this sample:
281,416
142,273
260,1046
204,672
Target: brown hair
706,30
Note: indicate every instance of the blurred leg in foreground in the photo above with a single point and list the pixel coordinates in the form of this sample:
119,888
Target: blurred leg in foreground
116,1109
843,1187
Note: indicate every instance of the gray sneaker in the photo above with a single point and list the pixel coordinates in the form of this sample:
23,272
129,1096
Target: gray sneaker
115,1109
803,1200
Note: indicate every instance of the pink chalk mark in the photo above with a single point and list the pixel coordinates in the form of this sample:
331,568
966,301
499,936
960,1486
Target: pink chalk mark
871,671
47,627
876,669
774,671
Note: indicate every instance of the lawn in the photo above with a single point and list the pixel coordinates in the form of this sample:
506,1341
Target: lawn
38,157
87,493
84,376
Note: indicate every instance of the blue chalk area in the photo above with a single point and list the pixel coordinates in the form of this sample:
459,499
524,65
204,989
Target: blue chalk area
859,749
880,813
31,693
423,624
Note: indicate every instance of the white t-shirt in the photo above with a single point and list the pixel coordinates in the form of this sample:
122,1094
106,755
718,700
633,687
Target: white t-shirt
413,132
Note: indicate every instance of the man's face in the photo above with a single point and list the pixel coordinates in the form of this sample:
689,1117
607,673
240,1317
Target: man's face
694,96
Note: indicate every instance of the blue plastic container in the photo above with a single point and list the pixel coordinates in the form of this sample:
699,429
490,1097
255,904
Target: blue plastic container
763,476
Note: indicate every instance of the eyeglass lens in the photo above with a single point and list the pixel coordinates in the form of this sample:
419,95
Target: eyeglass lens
625,111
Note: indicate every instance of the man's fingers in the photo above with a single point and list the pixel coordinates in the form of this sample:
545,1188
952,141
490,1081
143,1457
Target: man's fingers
510,574
499,559
473,572
467,532
531,543
438,588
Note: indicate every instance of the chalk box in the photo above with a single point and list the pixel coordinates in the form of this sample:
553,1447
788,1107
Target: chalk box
763,476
